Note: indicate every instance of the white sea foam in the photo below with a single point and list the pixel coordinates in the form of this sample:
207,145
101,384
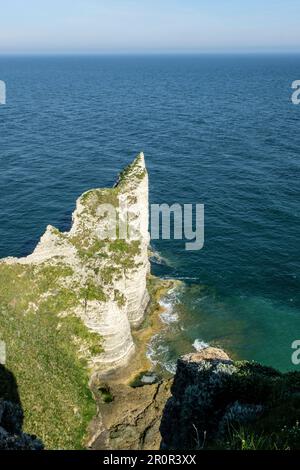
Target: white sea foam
150,353
157,354
169,315
157,351
157,258
171,367
198,344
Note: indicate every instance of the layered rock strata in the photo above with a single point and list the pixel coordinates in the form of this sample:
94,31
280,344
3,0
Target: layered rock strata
101,267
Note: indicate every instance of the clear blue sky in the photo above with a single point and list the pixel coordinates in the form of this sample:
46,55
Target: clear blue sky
97,26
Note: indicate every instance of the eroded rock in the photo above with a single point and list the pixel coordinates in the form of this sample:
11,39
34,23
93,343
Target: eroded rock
132,419
218,403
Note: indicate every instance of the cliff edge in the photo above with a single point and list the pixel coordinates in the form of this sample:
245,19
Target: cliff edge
69,308
104,279
218,403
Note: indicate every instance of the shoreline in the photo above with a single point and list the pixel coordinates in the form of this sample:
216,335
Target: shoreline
151,325
109,391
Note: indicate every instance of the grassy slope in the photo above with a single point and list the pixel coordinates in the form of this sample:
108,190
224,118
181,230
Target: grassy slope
42,348
42,355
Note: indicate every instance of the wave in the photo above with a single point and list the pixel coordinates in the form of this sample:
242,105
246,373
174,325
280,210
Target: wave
171,367
156,258
168,315
154,349
198,344
168,304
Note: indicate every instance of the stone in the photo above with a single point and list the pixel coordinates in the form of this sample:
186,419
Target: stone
207,354
116,269
217,403
131,421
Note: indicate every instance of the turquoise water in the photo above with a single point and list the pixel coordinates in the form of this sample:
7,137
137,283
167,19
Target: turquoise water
217,130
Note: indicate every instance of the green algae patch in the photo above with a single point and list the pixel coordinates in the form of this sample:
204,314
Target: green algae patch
42,352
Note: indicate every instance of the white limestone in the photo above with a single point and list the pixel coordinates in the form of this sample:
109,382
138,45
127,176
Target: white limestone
120,276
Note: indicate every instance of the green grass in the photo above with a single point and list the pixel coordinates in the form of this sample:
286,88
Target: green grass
42,353
123,253
93,199
105,394
245,439
92,292
133,172
48,347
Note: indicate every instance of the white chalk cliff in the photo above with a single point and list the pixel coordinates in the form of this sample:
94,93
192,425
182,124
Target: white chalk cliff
107,274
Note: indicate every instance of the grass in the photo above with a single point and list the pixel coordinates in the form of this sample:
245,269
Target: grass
133,172
48,346
106,395
244,439
92,292
93,199
42,353
123,253
119,298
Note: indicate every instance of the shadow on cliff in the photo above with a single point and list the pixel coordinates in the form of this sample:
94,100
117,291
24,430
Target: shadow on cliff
11,412
12,416
218,403
8,386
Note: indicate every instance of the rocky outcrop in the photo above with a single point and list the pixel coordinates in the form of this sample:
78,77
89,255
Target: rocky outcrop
101,267
218,403
129,418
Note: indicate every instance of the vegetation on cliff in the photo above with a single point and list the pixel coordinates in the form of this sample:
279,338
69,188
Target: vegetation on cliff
43,303
42,353
220,404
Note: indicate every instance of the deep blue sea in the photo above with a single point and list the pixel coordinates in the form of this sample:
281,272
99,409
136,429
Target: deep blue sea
217,130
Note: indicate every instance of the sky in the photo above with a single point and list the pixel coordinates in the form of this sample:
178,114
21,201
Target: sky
148,26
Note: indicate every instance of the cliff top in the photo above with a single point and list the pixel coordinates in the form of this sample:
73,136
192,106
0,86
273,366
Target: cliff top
58,304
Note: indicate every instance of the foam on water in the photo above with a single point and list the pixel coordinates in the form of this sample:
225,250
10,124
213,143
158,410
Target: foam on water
198,344
171,367
168,304
168,315
157,258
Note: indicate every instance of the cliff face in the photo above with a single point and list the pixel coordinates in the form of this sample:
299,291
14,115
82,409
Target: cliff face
106,273
129,418
217,403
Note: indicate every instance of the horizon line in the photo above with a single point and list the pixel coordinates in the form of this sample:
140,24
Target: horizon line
149,53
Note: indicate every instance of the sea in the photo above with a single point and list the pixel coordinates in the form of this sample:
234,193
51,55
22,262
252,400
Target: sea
218,130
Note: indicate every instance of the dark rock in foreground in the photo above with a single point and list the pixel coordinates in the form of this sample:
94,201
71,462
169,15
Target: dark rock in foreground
11,416
11,435
217,403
